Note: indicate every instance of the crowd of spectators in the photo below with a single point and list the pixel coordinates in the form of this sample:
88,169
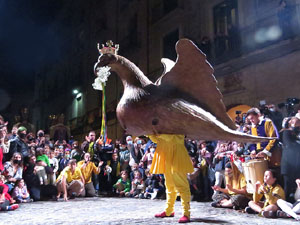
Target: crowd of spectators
35,167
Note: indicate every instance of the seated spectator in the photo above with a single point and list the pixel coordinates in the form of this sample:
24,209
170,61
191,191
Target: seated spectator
289,209
4,203
5,190
87,169
272,191
137,184
154,186
31,178
70,182
20,192
13,170
235,194
122,187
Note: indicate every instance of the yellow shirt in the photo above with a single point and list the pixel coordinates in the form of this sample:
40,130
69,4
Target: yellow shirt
240,183
88,170
272,195
69,175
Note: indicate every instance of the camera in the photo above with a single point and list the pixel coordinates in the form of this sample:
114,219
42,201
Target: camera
289,105
238,112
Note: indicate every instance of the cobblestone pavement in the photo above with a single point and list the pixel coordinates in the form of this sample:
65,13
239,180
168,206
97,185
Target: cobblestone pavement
124,211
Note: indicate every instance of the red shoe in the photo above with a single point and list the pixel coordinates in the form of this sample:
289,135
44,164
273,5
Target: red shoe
163,214
12,207
184,219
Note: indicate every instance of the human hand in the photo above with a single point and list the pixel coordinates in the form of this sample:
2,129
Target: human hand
261,155
298,182
65,197
87,138
229,187
253,154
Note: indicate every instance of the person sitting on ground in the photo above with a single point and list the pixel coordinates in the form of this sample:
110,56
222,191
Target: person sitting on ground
5,190
13,170
4,203
137,184
20,192
289,209
70,181
87,169
271,190
122,187
235,194
153,186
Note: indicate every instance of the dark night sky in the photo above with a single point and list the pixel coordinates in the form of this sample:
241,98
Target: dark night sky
27,40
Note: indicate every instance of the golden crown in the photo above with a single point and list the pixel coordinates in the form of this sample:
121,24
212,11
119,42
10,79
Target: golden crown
109,48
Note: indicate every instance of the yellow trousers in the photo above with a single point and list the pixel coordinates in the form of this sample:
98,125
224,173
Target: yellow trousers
171,159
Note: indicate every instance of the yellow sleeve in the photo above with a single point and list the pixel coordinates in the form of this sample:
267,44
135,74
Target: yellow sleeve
270,132
276,193
95,169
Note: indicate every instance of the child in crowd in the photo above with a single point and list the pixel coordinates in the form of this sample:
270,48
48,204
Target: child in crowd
137,184
122,186
20,192
272,191
154,186
5,189
4,203
289,209
54,166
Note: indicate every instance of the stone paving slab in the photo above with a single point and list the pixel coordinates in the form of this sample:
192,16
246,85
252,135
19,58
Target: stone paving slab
84,211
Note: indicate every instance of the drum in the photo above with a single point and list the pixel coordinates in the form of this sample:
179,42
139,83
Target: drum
254,171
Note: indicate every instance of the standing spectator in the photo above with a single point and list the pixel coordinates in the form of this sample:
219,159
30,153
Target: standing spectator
87,169
19,144
136,153
263,128
290,161
40,140
124,157
2,136
70,182
76,152
54,166
90,144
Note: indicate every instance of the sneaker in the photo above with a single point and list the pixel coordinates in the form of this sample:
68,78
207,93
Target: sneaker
250,211
269,214
153,195
184,219
215,205
12,207
73,195
281,214
163,214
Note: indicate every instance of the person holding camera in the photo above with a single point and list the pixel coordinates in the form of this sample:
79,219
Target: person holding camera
87,169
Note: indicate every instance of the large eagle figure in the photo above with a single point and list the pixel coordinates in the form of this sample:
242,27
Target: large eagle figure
184,100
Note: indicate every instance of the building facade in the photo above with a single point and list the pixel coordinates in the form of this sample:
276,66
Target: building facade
253,45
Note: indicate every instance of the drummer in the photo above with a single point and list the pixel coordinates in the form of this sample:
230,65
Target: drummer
262,127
